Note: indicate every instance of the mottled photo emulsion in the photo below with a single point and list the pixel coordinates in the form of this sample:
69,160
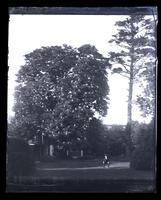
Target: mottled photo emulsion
82,100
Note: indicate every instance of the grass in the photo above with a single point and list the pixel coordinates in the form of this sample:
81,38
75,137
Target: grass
70,163
74,172
78,163
91,179
90,174
97,174
98,180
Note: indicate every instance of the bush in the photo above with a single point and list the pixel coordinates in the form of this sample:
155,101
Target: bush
143,157
20,160
95,138
115,141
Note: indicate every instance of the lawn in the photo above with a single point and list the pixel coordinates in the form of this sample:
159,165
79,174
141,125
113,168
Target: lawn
96,174
85,175
91,170
70,163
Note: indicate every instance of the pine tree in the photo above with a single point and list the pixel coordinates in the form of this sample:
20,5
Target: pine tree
130,58
147,100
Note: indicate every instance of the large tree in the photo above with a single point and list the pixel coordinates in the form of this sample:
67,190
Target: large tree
59,91
82,92
147,100
131,57
35,94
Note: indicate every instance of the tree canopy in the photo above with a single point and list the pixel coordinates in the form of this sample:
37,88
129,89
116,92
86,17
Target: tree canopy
147,100
60,88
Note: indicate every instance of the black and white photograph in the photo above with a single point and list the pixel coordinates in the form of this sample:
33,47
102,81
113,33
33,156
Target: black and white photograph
81,107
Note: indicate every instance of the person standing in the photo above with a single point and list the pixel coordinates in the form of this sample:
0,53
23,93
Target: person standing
106,161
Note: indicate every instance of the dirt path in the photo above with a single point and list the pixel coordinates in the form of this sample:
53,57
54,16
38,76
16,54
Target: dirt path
116,165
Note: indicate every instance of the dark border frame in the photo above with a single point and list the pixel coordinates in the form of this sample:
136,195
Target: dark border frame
60,10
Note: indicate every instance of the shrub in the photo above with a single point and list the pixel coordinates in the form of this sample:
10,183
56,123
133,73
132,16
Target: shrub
20,160
115,141
143,157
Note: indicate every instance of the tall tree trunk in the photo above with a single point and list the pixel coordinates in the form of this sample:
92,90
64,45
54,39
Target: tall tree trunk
129,121
130,100
131,79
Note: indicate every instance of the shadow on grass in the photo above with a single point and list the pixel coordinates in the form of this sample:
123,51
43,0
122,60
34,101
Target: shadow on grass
124,186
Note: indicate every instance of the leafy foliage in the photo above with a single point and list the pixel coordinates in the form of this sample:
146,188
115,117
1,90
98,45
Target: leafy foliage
96,138
116,140
20,160
146,100
60,89
143,157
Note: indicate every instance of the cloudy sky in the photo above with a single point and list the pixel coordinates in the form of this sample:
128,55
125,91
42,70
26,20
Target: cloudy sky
28,32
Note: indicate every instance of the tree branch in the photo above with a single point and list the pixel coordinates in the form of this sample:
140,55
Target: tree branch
143,67
136,61
123,46
123,75
141,29
124,65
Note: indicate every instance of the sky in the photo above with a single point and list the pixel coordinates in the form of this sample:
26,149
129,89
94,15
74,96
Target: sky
28,32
